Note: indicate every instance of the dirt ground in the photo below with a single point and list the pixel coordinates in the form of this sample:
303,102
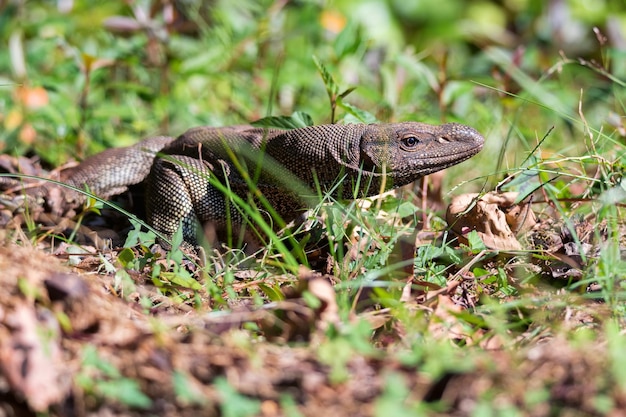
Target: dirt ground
71,343
80,335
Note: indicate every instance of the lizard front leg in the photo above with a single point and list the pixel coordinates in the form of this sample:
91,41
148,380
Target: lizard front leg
179,194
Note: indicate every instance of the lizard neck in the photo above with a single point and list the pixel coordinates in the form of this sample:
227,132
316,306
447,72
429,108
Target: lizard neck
325,152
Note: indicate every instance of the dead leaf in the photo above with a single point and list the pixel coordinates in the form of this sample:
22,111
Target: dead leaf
328,312
295,318
30,357
444,324
489,216
332,21
32,97
62,286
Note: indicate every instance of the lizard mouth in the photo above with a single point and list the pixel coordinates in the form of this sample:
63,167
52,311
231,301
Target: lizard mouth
418,165
427,163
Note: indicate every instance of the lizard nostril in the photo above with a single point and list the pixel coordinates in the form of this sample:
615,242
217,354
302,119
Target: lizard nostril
442,139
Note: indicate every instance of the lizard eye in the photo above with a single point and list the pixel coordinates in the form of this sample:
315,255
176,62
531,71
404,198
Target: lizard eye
410,141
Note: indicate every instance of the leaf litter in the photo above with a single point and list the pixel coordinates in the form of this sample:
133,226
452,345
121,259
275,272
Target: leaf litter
93,339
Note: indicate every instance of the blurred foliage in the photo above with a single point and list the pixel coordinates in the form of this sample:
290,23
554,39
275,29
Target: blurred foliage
544,81
76,77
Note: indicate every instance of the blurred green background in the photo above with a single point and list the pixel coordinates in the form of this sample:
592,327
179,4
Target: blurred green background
78,76
543,80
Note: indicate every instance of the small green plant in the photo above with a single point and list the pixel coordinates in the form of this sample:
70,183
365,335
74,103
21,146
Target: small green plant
339,349
233,404
353,113
100,378
394,400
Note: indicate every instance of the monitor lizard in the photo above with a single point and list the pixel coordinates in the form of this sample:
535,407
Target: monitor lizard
288,167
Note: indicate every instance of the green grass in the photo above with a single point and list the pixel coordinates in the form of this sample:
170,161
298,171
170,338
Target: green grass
550,103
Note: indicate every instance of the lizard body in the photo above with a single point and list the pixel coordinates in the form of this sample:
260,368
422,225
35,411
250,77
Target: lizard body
285,166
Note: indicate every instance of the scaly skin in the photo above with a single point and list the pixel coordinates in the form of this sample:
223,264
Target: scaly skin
286,166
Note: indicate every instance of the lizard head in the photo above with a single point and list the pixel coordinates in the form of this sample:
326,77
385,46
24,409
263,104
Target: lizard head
408,151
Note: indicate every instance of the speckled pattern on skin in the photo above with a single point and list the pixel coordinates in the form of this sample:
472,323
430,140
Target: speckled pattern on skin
285,165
